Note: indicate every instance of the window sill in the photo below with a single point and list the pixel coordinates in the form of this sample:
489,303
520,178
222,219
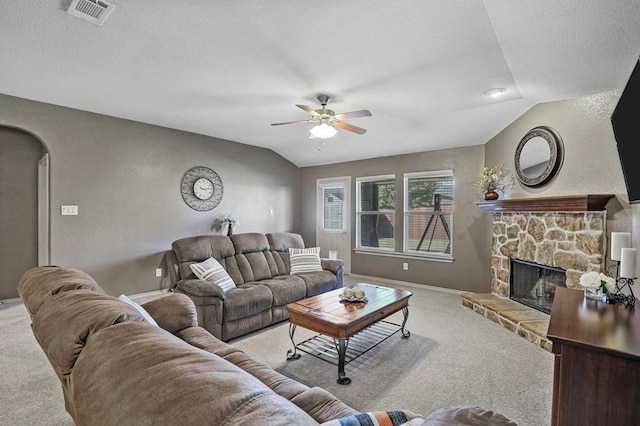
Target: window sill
430,258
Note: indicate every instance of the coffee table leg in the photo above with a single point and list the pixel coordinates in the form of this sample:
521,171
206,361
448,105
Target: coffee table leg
342,350
405,312
292,354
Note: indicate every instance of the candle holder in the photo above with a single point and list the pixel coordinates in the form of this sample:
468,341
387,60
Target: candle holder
618,296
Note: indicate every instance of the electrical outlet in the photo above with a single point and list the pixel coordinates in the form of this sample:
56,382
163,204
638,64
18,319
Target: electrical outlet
158,272
69,210
405,266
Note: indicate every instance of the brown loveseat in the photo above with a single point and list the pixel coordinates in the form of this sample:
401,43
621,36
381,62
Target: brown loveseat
259,266
118,369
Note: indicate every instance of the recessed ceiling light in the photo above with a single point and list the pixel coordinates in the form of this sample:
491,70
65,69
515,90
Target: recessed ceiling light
495,92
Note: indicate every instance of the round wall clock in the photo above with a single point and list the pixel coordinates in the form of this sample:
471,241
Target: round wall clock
201,188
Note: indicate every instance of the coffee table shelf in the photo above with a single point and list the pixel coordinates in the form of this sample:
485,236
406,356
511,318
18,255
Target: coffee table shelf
326,348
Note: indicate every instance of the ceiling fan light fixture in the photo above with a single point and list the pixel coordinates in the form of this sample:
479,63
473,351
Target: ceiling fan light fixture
323,131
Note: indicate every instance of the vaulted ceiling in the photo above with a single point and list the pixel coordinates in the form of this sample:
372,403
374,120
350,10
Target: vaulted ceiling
230,68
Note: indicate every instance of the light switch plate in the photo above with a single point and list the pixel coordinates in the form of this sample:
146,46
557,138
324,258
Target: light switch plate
69,210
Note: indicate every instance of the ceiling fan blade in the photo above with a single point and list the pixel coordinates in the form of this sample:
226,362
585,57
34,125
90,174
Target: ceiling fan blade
291,122
350,127
308,109
354,114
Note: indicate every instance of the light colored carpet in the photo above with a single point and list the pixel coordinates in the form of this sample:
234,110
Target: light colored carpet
30,392
453,357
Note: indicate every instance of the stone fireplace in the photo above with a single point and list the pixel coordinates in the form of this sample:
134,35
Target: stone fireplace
572,241
563,236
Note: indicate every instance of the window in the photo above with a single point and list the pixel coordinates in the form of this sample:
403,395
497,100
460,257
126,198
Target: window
375,212
333,208
428,213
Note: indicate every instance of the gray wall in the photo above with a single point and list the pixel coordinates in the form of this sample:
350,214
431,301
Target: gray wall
19,155
591,164
125,178
471,237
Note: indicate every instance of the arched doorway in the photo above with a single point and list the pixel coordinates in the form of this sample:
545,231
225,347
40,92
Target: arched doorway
23,171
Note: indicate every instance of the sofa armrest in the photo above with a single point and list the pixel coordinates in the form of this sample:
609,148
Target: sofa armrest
334,265
171,266
201,288
174,312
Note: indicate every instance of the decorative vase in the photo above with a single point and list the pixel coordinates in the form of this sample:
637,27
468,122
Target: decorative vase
595,293
490,195
229,231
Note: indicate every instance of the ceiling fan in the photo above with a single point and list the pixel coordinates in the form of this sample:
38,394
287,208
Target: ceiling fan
327,120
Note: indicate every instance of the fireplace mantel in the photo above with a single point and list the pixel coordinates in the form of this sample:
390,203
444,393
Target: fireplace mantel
562,203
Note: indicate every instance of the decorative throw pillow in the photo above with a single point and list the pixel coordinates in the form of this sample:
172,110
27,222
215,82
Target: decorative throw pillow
387,418
148,318
304,260
212,270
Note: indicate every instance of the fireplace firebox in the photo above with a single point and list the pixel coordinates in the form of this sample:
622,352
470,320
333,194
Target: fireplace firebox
534,285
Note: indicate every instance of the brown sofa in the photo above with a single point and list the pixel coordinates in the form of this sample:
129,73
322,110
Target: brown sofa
118,369
259,266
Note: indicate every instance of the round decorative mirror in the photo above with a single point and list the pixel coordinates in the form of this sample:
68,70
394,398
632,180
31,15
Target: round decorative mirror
539,156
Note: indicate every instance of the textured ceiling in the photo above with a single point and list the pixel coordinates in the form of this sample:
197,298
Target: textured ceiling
230,68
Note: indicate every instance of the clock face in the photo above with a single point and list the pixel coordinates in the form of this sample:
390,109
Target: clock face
201,188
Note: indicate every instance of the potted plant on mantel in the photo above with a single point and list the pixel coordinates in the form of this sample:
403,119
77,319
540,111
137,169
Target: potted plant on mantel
493,181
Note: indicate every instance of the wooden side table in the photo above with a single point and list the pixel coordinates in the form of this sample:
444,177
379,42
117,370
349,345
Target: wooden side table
597,361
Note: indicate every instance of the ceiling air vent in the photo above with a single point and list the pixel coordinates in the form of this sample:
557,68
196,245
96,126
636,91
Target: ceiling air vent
94,11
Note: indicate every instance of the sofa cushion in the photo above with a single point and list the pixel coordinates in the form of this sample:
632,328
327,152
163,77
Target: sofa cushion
280,243
38,284
134,374
246,300
304,260
196,249
286,289
320,282
283,241
212,270
317,402
250,242
255,266
66,321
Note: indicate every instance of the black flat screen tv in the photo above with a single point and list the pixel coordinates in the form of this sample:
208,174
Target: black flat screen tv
625,121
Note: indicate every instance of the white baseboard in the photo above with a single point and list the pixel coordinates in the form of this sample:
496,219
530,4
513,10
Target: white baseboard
406,283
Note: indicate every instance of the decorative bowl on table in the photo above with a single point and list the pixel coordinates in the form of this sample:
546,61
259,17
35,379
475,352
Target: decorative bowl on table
353,295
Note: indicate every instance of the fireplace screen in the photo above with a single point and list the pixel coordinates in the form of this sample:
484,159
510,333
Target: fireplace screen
535,285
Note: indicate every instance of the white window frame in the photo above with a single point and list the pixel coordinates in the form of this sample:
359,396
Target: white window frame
345,209
406,213
358,212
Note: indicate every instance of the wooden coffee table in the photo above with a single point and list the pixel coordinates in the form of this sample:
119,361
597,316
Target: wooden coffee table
338,322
